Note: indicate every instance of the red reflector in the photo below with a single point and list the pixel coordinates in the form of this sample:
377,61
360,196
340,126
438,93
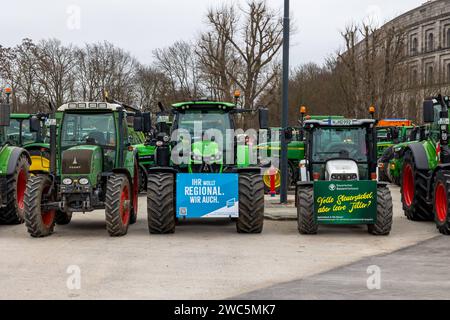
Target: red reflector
374,176
316,176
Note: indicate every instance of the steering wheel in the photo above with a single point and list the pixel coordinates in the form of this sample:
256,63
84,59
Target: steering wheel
343,149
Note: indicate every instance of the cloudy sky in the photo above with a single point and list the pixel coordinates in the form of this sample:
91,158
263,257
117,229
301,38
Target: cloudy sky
139,26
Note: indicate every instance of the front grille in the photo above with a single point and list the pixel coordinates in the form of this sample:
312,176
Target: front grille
76,161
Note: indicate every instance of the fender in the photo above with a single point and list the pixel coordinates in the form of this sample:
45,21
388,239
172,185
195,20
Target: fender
420,156
14,157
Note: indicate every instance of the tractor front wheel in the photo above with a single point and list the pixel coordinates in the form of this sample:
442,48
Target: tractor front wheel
39,223
307,224
16,186
161,203
251,203
118,205
63,218
441,203
383,225
414,191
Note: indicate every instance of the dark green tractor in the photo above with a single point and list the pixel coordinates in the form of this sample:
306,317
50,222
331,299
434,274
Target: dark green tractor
19,133
204,169
425,180
93,166
14,172
339,181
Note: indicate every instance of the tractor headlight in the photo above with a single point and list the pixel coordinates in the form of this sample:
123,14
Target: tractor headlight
83,181
67,181
159,143
166,139
197,157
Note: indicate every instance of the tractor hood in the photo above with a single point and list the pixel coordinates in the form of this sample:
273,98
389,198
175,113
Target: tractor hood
206,150
82,160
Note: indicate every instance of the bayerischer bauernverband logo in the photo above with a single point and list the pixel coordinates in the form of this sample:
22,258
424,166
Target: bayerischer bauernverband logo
332,187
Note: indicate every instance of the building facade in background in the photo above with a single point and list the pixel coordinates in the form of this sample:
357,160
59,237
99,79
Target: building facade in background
427,52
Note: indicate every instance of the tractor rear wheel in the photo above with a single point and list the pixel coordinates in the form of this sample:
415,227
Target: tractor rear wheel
441,203
63,218
39,223
307,224
15,193
161,203
384,213
414,191
251,203
118,205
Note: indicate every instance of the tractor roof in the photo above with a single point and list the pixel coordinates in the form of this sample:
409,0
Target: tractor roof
89,106
341,122
20,116
204,104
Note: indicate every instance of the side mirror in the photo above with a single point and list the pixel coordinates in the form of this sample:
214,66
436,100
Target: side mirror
264,118
428,111
5,113
35,124
147,118
138,123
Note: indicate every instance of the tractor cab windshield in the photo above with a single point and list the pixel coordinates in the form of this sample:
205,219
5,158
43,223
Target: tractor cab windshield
339,143
93,129
199,122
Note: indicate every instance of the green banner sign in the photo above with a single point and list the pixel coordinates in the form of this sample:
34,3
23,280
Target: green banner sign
346,202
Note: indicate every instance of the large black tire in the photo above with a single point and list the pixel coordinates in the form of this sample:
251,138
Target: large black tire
118,205
384,213
161,203
306,220
414,191
136,186
441,204
142,176
251,203
39,224
63,218
13,213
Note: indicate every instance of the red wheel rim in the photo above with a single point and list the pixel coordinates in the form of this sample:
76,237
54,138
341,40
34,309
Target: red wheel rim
48,217
408,185
136,190
124,209
20,188
441,203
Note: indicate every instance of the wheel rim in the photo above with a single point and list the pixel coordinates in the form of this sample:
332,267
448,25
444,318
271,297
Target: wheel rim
441,203
124,207
48,217
408,185
20,188
277,179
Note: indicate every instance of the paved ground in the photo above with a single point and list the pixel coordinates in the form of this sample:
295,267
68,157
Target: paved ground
418,272
201,261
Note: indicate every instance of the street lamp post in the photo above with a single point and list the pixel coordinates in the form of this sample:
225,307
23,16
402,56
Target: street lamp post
285,103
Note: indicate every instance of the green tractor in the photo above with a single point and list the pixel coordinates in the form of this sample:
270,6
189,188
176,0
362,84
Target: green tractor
296,151
203,170
14,172
19,133
425,180
338,178
93,166
390,163
147,149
